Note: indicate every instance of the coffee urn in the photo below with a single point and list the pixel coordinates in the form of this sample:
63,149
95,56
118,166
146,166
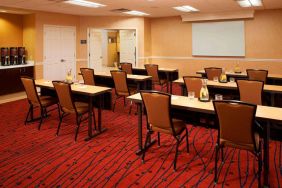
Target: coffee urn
5,57
21,55
13,56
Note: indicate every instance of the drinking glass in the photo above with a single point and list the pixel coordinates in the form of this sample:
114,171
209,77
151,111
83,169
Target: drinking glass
215,79
231,79
218,97
191,94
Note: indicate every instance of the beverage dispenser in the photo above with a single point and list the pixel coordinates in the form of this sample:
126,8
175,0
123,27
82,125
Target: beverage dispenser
5,57
13,56
21,55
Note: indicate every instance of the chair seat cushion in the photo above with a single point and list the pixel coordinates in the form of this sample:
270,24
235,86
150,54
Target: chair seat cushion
47,100
161,82
81,107
179,126
131,92
249,147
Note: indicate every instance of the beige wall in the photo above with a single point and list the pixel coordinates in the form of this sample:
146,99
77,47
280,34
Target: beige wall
29,35
167,41
171,40
11,30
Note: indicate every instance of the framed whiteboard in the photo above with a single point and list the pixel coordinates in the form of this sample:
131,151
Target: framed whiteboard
218,38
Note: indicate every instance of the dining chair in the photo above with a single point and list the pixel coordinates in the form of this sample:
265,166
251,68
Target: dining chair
193,84
127,67
250,91
69,106
212,72
258,75
121,88
88,76
34,100
158,108
153,71
237,129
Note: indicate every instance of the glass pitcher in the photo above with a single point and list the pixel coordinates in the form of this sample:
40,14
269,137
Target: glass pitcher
204,93
223,77
69,77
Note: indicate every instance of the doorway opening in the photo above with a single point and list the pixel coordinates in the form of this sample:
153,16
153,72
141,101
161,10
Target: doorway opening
107,48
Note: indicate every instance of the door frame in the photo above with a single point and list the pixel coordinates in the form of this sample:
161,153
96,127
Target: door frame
60,26
127,28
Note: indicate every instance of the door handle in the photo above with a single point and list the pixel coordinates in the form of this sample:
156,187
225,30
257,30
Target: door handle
62,60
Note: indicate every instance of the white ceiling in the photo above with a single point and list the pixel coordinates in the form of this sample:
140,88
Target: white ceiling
156,8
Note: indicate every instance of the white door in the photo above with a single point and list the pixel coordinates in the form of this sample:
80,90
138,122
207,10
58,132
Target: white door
59,52
95,49
128,46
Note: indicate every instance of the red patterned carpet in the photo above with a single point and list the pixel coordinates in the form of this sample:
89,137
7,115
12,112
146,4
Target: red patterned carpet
32,158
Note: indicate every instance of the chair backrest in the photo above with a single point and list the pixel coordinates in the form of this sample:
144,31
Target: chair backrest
153,70
30,90
259,75
88,76
64,94
250,91
193,84
212,72
158,106
120,81
127,67
236,122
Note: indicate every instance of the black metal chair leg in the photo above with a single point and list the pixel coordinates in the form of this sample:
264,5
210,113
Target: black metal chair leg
130,108
159,139
144,150
222,155
114,104
60,122
29,111
187,140
215,166
176,155
41,118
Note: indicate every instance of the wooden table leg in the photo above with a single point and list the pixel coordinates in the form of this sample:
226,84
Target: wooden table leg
266,154
100,129
90,106
140,134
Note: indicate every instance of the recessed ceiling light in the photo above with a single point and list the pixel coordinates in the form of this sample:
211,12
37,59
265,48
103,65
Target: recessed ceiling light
84,3
136,13
249,3
186,8
256,3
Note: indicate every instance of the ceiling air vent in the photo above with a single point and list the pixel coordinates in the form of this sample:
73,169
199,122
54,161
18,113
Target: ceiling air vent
120,10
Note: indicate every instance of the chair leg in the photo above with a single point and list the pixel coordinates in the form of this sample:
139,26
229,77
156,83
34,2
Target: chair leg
176,155
215,166
60,122
78,121
146,141
187,140
222,155
29,111
114,104
130,108
41,117
159,139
